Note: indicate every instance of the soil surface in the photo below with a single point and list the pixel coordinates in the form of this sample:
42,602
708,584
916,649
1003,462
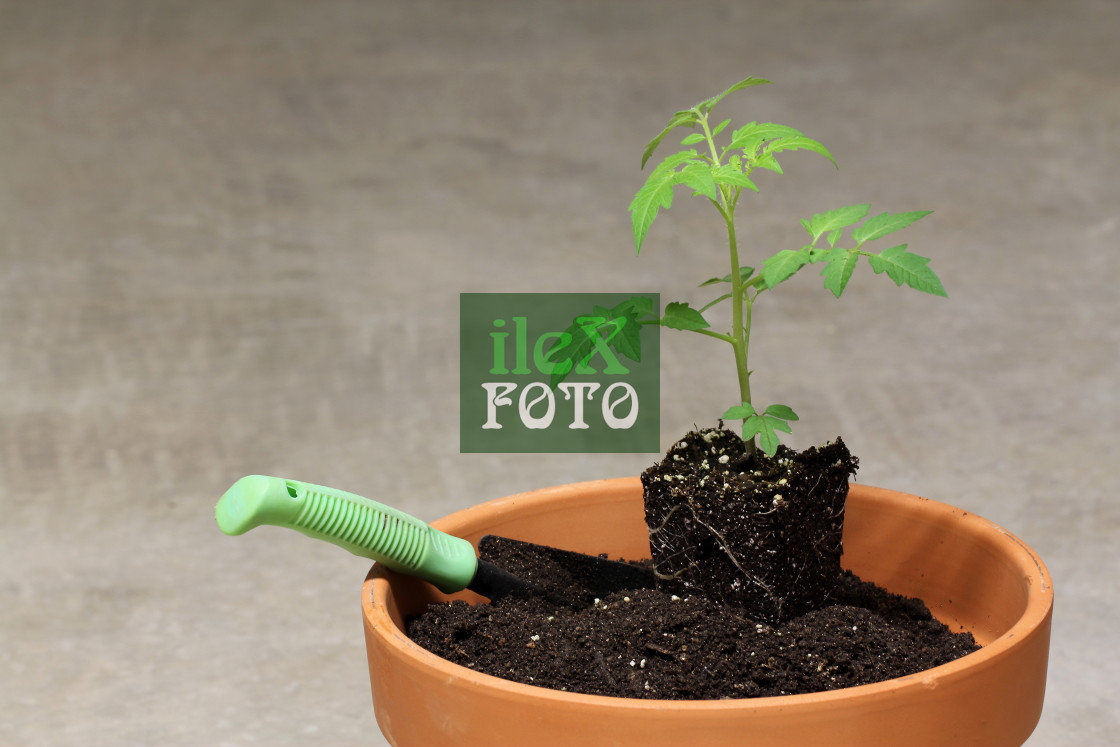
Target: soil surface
750,599
649,644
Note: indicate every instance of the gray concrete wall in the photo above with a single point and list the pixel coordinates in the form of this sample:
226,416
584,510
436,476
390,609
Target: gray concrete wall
232,239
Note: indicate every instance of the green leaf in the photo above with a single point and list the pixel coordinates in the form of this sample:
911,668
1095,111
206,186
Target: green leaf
739,412
774,424
760,141
783,412
798,142
681,316
835,221
669,164
719,128
644,207
885,223
686,118
706,105
841,264
905,268
628,341
762,428
635,307
656,193
698,175
817,253
783,265
744,274
768,162
578,346
732,174
693,139
751,136
619,328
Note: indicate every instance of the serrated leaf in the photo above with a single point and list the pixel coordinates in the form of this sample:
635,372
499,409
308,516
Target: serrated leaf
732,175
618,329
707,104
578,346
744,275
799,142
905,268
834,220
696,137
782,266
635,307
750,136
699,177
841,264
817,253
644,207
768,162
655,194
669,164
628,341
680,315
687,118
885,223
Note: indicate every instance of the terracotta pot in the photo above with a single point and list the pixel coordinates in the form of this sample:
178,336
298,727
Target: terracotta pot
970,572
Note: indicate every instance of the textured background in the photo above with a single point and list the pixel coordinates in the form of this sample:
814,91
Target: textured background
232,239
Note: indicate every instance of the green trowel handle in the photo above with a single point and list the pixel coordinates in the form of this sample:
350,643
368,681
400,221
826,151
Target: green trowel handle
364,527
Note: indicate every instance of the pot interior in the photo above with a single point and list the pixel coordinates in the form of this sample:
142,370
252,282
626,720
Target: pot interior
948,558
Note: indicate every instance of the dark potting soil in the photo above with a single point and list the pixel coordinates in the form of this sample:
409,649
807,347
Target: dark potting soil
757,532
649,644
740,610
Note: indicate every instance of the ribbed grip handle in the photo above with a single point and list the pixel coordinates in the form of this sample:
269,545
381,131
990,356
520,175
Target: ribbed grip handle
357,524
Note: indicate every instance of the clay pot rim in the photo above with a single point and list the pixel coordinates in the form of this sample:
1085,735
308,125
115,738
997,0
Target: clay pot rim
1038,607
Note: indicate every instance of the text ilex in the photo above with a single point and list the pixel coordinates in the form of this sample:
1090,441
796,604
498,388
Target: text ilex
535,402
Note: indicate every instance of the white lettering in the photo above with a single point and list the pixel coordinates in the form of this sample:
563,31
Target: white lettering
609,406
524,408
494,399
575,390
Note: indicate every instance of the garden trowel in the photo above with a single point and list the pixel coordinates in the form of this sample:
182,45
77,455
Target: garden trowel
407,545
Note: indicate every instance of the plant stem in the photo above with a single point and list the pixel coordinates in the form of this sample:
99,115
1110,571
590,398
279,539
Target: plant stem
717,335
703,118
741,301
740,314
